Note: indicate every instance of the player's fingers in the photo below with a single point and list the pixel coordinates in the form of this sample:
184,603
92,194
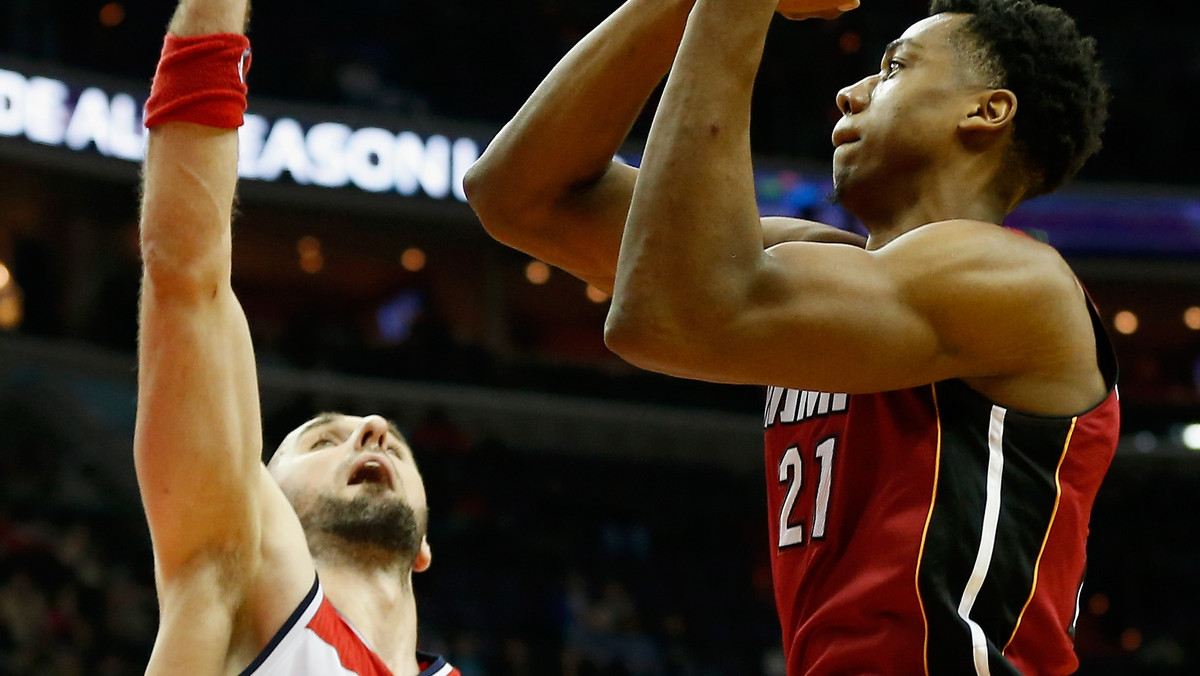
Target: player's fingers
846,6
828,14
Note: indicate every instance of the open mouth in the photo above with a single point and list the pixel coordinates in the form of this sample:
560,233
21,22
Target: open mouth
371,471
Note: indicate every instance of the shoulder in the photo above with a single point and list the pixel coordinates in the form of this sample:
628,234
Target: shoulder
967,238
1004,301
228,602
972,256
779,230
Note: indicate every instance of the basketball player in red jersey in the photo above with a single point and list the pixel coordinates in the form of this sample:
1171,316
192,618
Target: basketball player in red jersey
941,405
302,568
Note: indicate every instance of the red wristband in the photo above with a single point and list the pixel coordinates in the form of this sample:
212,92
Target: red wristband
200,79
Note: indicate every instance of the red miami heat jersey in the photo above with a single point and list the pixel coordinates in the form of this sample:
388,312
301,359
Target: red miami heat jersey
929,531
317,641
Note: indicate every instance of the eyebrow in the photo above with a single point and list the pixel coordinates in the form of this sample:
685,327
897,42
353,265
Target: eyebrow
323,419
326,418
901,42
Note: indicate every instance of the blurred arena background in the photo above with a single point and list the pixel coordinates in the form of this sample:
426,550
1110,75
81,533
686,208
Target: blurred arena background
586,518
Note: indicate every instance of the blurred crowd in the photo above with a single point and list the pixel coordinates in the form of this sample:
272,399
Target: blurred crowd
556,564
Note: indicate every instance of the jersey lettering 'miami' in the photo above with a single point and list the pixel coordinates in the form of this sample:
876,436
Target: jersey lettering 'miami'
786,406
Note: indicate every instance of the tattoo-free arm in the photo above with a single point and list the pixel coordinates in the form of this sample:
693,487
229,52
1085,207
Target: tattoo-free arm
698,296
198,439
547,184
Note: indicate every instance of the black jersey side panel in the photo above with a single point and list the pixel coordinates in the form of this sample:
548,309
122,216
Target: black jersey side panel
955,531
996,499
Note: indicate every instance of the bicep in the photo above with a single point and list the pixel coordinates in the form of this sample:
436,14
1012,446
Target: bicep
197,444
831,318
198,434
839,318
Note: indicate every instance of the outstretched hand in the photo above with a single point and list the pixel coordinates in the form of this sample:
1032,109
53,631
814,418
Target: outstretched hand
799,10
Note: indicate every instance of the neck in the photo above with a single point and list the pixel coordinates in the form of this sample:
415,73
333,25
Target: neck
379,602
955,193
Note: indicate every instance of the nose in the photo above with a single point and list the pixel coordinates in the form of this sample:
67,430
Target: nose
856,97
372,430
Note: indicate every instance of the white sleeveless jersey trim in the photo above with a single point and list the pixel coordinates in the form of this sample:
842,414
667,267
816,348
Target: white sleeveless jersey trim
308,645
300,651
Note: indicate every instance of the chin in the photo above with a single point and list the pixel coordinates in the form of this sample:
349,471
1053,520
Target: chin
851,183
372,488
842,179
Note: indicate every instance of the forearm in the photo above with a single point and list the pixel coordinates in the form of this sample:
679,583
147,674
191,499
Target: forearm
198,437
693,238
190,175
202,17
189,181
564,137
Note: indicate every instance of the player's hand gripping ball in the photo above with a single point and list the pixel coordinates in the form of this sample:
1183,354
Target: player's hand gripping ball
798,10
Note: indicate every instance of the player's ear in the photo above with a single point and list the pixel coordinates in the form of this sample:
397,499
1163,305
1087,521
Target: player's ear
993,110
424,557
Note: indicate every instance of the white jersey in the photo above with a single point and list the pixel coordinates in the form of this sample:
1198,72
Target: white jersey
317,641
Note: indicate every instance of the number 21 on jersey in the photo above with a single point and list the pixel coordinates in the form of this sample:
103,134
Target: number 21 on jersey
793,473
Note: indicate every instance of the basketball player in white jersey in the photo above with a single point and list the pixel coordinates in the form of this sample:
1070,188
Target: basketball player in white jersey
300,568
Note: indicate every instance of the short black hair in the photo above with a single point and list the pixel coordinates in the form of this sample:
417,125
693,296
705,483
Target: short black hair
1038,53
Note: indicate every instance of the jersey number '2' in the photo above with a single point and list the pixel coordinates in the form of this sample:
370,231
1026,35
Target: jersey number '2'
791,472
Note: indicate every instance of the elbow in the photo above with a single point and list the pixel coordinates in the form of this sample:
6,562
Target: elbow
667,336
166,277
180,287
510,211
475,182
620,334
489,187
639,337
627,341
494,202
653,346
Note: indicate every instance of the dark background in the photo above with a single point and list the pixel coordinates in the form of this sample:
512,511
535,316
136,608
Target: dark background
594,547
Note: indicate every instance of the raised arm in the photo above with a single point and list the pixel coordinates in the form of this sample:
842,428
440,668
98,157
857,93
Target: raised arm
198,441
696,295
547,184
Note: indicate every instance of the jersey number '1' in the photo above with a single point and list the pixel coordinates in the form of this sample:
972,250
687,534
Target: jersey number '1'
791,472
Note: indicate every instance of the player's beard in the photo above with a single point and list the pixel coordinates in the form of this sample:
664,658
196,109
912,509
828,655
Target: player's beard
835,197
369,530
839,186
